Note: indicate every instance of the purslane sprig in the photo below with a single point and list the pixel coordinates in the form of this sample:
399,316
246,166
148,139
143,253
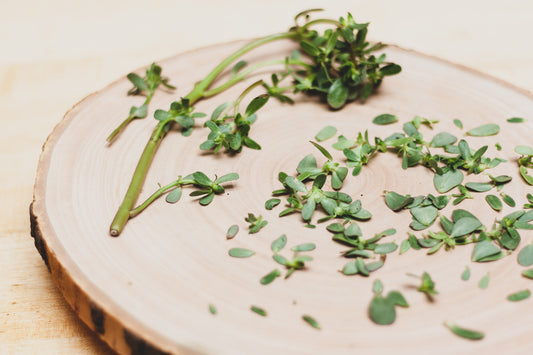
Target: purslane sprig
205,187
146,85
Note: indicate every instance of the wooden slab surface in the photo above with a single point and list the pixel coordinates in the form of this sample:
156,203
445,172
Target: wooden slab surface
151,287
55,54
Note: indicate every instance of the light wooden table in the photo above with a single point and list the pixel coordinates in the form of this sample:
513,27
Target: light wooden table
54,53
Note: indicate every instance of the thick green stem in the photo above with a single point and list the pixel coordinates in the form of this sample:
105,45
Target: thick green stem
198,92
123,213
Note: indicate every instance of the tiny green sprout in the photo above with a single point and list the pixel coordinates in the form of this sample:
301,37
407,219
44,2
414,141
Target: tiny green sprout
208,188
427,287
338,173
382,309
458,123
298,261
256,223
231,130
462,195
362,153
417,121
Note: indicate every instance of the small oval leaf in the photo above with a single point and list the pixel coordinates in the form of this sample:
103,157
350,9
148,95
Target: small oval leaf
240,253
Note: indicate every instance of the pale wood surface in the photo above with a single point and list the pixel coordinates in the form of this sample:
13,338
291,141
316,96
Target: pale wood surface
55,54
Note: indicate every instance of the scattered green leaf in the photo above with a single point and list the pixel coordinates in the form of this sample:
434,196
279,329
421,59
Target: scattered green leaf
528,273
304,247
311,321
256,223
240,253
525,256
212,309
326,133
465,333
494,202
485,130
385,119
519,296
279,243
258,310
465,276
271,276
484,282
232,231
516,120
273,202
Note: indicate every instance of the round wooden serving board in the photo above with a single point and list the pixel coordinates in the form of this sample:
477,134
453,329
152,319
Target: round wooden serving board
149,290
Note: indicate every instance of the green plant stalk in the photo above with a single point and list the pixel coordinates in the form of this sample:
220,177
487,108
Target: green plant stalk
245,72
178,183
200,88
198,92
127,121
246,92
123,213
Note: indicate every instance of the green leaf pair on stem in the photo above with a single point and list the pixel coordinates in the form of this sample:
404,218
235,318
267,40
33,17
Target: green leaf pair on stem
382,308
296,263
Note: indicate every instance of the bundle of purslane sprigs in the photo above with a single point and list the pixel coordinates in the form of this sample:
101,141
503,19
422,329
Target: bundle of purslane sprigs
335,64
